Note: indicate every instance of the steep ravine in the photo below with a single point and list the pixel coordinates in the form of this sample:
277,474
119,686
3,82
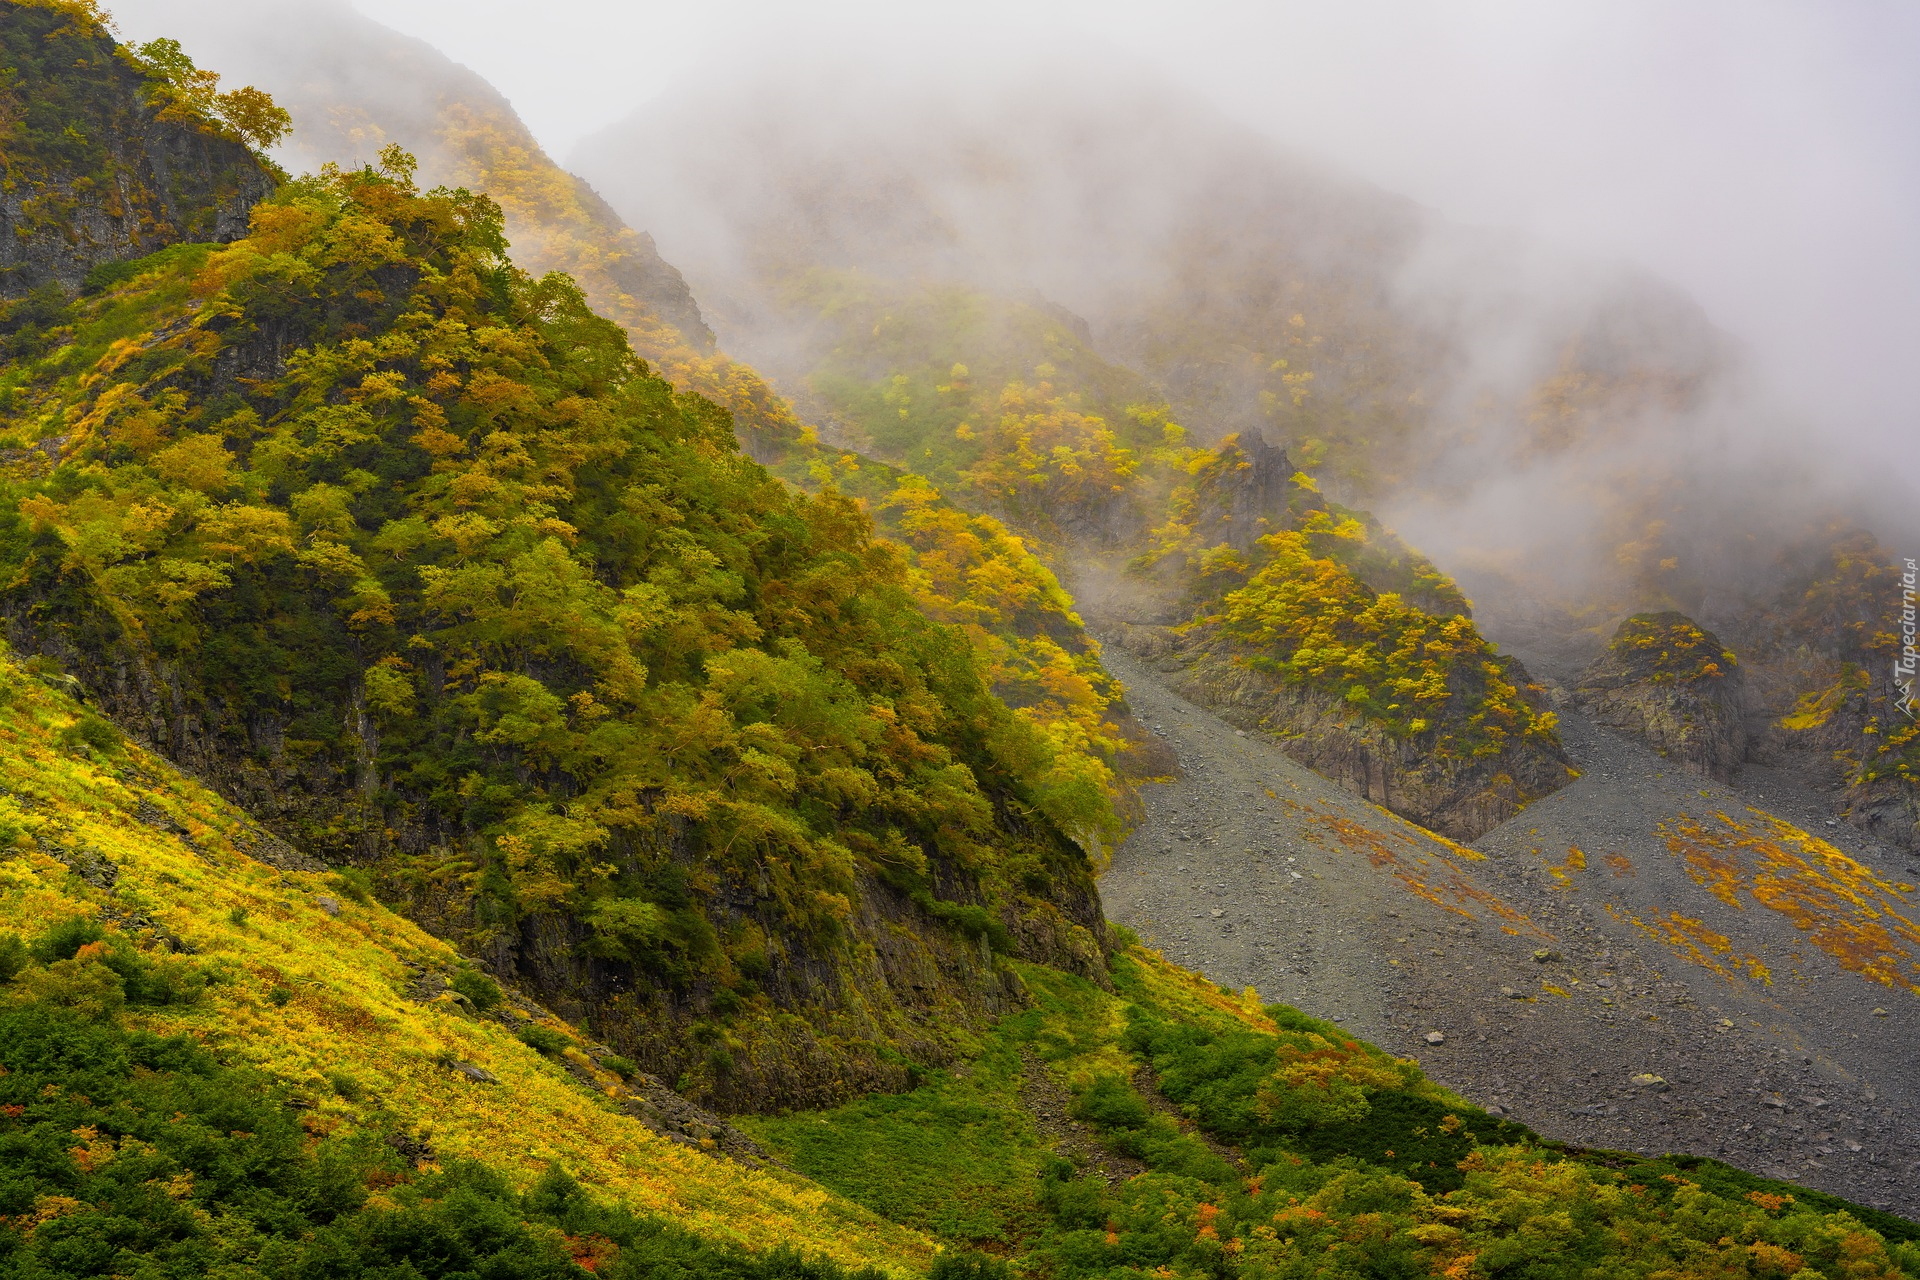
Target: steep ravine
1254,870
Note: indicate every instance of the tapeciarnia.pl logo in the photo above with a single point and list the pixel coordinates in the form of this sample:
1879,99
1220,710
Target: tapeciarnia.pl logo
1903,670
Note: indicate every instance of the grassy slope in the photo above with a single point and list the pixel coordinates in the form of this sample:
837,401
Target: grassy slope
1405,1188
349,1012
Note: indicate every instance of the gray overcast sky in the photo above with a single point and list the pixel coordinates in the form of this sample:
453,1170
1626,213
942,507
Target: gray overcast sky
1763,154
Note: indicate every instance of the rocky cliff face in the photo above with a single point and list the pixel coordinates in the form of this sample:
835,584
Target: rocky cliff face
1821,654
1250,496
94,174
866,1011
1297,619
1460,796
1666,679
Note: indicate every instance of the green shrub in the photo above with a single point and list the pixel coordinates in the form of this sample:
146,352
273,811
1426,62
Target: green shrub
1076,1203
130,977
544,1039
65,937
93,733
477,987
1111,1103
106,275
13,956
969,1266
973,920
354,885
625,1068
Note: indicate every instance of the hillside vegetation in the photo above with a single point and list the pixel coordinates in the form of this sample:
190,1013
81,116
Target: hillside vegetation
212,1062
560,766
924,402
209,1057
902,253
1215,1137
355,86
1308,616
408,552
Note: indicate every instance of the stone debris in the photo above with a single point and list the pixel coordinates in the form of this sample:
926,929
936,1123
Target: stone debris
90,865
263,846
415,1149
653,1104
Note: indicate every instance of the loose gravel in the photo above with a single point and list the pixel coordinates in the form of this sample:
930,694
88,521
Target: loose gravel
1256,871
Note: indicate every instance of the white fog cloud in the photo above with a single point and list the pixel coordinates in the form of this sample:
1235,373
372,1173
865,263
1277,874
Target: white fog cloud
1762,154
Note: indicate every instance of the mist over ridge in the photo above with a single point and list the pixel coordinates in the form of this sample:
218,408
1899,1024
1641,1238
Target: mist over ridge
1754,152
1561,432
1519,411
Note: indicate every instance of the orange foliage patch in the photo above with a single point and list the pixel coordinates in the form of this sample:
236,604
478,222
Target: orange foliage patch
1847,910
1424,869
1696,942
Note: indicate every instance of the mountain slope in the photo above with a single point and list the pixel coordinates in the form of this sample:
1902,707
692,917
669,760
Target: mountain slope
355,85
1574,443
411,551
406,551
1640,921
436,1123
1084,459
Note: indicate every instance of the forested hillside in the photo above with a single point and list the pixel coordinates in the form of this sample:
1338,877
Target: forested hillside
356,87
408,552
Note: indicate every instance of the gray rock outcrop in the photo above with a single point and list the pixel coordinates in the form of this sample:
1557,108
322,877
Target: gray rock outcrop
1669,681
